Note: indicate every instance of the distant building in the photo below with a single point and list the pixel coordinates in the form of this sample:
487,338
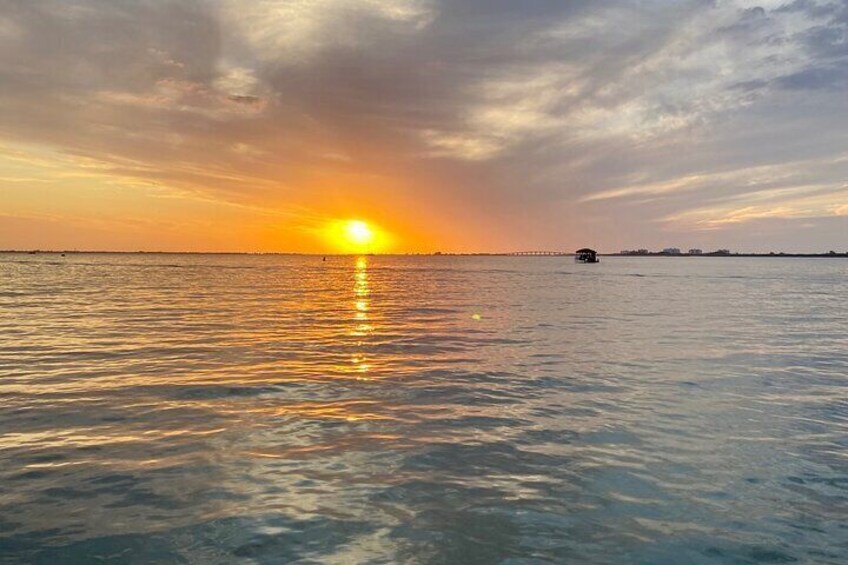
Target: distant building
671,251
696,251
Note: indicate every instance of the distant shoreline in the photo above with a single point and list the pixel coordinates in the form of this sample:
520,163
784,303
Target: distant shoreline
769,255
551,254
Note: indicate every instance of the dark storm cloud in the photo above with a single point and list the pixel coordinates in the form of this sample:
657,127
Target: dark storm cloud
650,117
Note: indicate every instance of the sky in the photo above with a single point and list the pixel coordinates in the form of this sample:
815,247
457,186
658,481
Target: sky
452,125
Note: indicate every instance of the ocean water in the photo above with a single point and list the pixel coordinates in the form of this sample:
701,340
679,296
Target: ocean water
282,409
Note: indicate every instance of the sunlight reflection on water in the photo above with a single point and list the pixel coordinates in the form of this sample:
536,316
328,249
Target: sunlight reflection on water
422,409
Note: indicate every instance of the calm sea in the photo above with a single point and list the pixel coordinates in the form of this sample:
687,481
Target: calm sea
275,409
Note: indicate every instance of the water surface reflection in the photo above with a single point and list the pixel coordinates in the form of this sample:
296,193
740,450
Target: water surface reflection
270,409
362,328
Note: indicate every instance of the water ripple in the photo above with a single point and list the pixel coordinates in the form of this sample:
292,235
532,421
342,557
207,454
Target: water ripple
268,409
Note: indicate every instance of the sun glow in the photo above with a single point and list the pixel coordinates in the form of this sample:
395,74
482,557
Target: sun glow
356,236
359,233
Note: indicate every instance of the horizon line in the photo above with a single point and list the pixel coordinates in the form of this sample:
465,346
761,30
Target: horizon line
538,253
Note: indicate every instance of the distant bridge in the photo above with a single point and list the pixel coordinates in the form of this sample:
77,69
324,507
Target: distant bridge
540,253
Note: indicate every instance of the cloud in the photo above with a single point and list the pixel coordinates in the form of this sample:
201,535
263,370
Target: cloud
551,120
296,30
820,201
237,81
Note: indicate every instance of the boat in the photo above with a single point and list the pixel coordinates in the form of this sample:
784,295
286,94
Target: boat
586,255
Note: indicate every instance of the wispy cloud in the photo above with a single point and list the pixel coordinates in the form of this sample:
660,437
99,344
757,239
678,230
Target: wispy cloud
555,121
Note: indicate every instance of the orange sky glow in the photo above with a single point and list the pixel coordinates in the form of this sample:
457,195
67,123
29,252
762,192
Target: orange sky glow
463,126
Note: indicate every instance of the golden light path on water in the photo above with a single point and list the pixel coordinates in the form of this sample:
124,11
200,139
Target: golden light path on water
363,327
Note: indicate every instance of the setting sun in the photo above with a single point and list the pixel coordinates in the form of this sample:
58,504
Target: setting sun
356,236
359,233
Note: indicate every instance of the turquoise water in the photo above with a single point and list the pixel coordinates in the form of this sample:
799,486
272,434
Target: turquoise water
274,409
